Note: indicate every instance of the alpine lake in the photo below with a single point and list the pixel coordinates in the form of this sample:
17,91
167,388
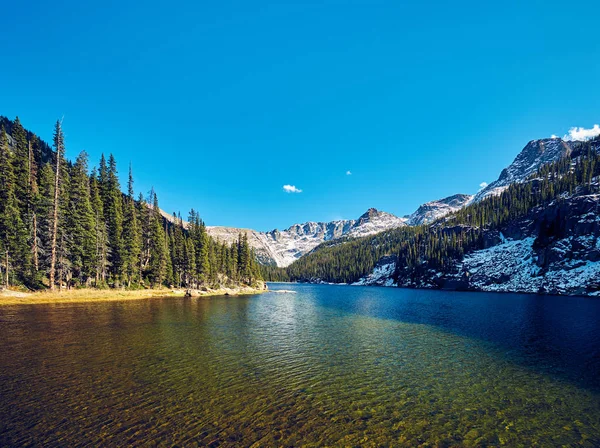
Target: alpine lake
325,365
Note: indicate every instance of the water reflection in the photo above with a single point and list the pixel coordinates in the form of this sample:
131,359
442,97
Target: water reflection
326,366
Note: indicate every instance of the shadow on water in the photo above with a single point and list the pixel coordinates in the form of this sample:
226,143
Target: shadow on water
557,336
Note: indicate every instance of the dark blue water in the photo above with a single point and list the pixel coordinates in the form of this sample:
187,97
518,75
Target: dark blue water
554,334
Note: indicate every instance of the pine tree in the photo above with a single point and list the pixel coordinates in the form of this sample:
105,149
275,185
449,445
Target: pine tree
13,235
81,223
158,253
100,231
190,263
45,209
132,236
200,239
144,213
21,164
168,247
113,214
34,200
178,250
243,258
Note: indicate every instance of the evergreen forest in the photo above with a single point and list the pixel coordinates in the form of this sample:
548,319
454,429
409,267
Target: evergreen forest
64,225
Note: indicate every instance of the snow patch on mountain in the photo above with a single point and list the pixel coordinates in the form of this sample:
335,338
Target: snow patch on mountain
375,221
433,210
257,240
283,247
511,267
381,275
506,267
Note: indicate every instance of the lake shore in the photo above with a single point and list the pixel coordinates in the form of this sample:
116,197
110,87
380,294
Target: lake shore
10,297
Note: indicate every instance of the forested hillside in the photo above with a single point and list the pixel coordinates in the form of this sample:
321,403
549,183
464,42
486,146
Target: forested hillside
424,252
63,226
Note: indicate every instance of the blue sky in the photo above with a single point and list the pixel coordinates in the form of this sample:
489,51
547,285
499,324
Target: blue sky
218,105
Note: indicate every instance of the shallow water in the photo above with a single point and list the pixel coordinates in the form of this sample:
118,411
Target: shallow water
330,365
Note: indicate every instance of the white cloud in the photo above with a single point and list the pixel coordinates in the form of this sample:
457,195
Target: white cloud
582,134
554,136
348,173
482,185
291,189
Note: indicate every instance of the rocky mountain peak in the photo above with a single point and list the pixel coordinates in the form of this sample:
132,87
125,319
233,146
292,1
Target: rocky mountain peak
433,210
535,154
369,215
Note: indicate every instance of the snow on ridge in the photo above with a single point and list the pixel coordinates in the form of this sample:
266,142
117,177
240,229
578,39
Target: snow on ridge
434,210
283,247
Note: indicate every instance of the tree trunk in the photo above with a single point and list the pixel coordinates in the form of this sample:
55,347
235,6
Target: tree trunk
6,281
98,255
34,249
55,222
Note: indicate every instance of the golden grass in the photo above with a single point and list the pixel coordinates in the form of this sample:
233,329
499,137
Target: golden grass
8,297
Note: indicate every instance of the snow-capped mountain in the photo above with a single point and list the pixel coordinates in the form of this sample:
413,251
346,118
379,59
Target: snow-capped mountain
535,154
283,247
375,221
433,210
552,248
518,258
521,259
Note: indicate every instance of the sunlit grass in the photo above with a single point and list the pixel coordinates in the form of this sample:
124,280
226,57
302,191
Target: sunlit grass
8,297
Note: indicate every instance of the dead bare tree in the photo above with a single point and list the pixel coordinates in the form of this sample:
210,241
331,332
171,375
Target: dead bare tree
59,145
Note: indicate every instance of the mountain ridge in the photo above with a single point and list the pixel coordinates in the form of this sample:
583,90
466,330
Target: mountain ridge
283,247
540,234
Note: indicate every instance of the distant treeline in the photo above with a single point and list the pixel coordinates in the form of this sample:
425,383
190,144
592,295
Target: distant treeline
442,244
62,226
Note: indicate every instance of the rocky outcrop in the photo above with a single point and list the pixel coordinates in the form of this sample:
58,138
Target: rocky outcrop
382,274
535,154
555,249
204,291
430,211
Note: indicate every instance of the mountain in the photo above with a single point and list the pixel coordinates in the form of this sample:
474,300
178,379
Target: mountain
533,255
283,247
433,210
535,154
540,233
374,221
265,253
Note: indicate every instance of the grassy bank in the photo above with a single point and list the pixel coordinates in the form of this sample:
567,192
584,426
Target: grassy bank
9,297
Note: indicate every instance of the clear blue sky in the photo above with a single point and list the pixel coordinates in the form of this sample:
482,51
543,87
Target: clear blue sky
220,104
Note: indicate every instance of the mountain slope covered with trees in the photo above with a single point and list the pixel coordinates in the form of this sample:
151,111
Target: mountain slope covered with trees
432,256
63,226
